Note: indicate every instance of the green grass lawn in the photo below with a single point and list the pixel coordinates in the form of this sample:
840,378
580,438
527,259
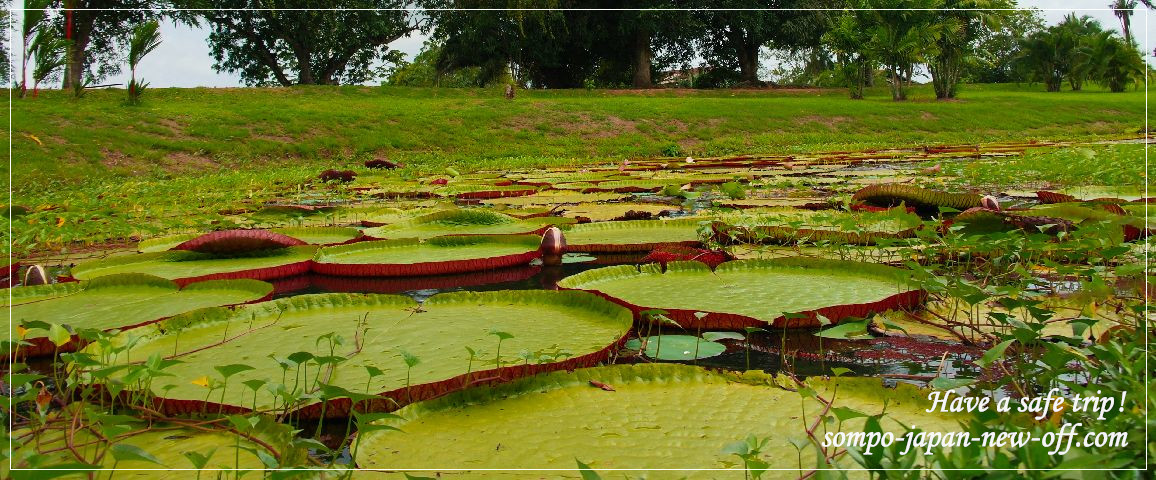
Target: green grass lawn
58,140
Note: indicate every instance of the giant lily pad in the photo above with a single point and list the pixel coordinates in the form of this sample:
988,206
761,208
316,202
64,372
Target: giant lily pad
141,450
660,416
310,235
385,332
231,242
927,201
185,267
119,301
632,236
861,228
747,293
321,235
474,221
435,256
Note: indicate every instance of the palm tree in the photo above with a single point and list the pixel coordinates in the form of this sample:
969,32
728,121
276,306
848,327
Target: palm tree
1123,10
1116,62
48,51
1075,37
146,37
34,14
959,23
901,39
846,39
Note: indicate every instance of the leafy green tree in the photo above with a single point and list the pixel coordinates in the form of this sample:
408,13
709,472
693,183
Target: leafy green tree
958,26
423,71
271,44
96,31
994,56
847,39
1061,52
6,22
731,39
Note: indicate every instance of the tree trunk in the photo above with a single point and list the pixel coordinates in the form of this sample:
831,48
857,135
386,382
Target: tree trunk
80,34
304,68
642,59
749,63
897,92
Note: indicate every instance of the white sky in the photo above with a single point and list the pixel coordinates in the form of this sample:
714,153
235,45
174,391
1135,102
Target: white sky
183,58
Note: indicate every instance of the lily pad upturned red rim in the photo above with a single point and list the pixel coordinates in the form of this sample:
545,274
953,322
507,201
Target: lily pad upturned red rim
226,242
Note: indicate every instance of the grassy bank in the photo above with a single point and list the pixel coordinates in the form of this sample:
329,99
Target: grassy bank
59,140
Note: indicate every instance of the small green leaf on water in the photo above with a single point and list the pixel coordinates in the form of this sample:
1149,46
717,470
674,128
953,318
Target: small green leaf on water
943,383
845,331
58,335
993,354
227,371
846,413
125,452
587,472
840,371
198,460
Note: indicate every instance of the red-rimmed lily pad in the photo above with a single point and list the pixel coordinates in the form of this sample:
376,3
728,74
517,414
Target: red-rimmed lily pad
633,236
121,301
861,228
186,267
925,200
233,242
377,344
434,256
336,284
754,293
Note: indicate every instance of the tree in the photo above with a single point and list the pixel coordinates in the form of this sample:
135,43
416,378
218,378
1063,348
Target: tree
848,39
146,37
1123,10
6,21
1074,36
732,39
423,71
273,45
901,37
34,20
959,24
49,52
994,56
1117,63
96,31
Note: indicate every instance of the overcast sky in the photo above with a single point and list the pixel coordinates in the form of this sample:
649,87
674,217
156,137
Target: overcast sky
183,58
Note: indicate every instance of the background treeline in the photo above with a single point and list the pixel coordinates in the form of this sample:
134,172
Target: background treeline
554,44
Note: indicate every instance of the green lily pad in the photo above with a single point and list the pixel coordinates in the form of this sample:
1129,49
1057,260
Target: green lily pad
435,256
631,236
676,347
658,416
893,195
159,447
186,267
378,331
858,228
463,222
320,235
746,293
122,301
